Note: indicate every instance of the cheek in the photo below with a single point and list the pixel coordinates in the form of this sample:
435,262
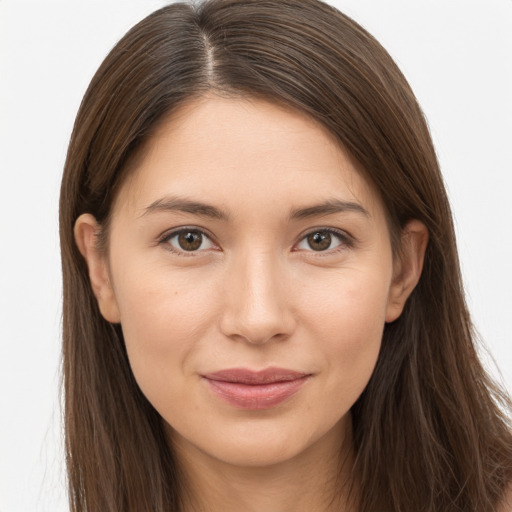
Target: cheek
347,318
163,318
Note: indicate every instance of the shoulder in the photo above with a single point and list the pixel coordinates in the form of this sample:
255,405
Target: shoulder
506,504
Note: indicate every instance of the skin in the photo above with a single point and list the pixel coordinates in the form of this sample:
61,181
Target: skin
255,294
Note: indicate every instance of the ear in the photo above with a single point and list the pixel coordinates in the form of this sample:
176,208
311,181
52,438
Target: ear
86,233
408,267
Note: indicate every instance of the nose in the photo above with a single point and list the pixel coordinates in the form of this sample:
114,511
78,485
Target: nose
257,301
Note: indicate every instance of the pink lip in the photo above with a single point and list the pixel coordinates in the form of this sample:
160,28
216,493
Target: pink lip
247,389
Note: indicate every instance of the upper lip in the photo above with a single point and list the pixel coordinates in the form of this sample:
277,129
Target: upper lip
246,376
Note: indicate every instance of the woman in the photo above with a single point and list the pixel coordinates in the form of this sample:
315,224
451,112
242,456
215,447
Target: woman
263,307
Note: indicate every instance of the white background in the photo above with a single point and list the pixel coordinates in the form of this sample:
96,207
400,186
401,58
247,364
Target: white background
457,55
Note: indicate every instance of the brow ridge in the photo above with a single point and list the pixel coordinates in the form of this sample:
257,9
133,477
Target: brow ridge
180,204
328,207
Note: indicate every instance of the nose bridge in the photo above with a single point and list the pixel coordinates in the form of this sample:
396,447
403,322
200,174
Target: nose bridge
257,304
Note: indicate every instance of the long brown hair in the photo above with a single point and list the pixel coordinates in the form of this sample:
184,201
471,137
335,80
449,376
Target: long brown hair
430,431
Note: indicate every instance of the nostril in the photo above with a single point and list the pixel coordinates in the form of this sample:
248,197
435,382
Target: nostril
257,325
256,300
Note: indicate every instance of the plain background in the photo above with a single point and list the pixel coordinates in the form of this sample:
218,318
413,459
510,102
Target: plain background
457,55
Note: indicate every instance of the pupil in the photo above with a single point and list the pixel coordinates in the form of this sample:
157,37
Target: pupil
319,241
190,241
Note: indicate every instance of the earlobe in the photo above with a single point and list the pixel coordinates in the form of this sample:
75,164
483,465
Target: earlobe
408,269
85,231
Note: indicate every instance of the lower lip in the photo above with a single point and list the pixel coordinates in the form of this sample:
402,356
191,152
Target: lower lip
256,397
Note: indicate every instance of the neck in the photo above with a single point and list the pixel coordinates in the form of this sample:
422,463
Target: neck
317,479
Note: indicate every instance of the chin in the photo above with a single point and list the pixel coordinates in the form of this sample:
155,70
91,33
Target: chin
260,443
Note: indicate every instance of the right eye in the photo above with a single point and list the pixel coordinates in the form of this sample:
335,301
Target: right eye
188,241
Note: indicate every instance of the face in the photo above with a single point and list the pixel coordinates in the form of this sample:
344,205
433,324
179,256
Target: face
250,267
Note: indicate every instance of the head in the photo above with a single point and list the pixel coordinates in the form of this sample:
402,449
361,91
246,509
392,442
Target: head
256,247
272,76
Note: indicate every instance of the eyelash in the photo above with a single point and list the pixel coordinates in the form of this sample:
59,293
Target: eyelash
346,241
164,240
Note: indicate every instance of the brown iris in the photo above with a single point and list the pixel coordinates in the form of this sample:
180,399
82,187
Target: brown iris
190,240
319,241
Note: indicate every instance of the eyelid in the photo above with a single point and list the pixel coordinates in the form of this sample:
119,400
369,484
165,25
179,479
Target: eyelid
346,240
164,238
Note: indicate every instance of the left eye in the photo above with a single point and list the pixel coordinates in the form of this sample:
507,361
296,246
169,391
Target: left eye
189,240
321,240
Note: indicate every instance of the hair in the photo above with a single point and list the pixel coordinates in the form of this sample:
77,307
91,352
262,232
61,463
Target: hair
431,430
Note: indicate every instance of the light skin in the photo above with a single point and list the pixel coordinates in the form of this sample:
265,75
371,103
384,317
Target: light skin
284,260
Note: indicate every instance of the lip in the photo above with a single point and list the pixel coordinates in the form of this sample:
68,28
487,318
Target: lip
256,390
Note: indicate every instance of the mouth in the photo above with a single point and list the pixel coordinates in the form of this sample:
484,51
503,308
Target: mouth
256,390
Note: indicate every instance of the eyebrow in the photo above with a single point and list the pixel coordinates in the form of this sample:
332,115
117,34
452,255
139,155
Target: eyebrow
169,204
329,207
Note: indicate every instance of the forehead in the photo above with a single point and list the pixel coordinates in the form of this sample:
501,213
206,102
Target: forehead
247,154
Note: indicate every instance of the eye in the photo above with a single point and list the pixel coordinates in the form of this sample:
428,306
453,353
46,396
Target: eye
188,240
322,240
